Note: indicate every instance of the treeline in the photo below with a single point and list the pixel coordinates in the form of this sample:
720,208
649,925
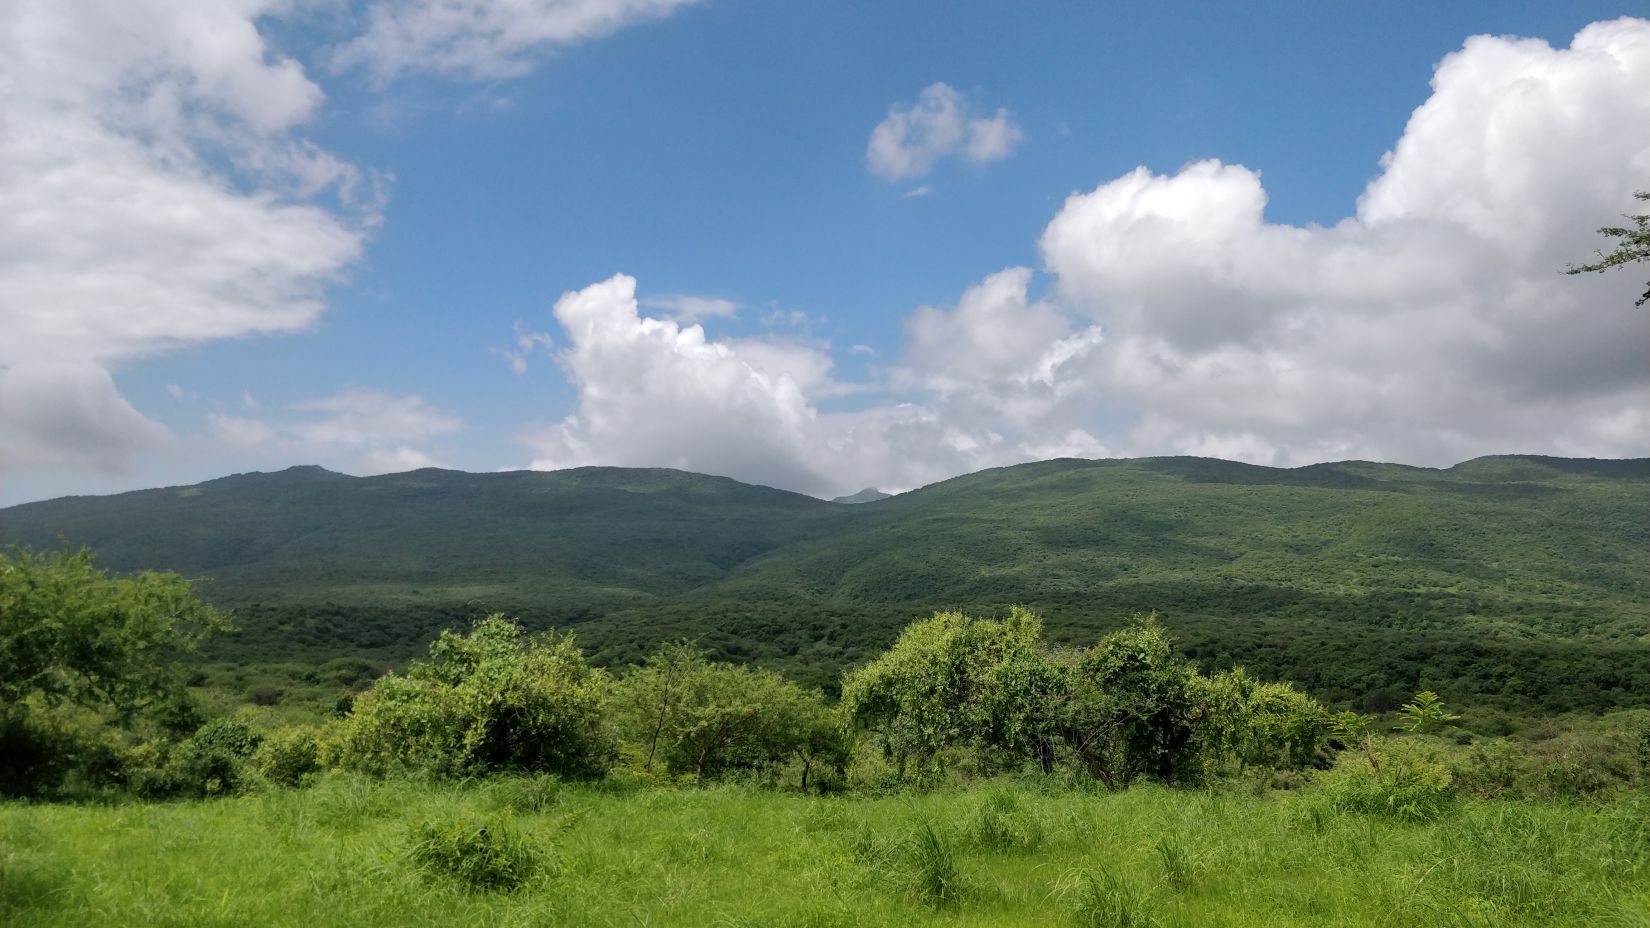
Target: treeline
1346,654
953,693
93,698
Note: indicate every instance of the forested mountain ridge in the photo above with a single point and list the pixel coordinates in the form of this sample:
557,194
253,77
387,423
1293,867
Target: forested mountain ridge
1514,574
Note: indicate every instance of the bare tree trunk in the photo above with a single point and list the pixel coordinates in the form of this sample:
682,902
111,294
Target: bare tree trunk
664,707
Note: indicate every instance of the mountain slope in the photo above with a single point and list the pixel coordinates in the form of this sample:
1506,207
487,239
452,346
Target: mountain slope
1512,579
597,536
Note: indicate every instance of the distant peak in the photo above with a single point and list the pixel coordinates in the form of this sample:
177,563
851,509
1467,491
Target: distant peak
306,470
867,495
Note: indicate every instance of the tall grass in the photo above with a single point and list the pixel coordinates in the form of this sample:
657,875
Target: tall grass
338,854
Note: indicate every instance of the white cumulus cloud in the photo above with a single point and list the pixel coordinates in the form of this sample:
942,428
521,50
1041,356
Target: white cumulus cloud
913,137
1430,326
153,194
689,308
654,392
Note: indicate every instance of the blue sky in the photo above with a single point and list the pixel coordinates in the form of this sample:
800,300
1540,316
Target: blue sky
444,185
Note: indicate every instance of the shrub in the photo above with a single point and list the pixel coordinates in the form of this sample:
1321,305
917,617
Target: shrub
1134,708
959,682
212,762
1491,769
288,756
495,699
684,715
1409,784
481,854
35,751
85,660
226,736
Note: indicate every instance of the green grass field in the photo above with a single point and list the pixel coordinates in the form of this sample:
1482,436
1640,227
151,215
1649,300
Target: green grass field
1000,853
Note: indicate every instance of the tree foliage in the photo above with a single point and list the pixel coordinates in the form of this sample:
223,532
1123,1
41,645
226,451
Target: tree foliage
89,667
1131,706
1134,707
696,717
1634,246
955,681
494,699
1426,713
71,632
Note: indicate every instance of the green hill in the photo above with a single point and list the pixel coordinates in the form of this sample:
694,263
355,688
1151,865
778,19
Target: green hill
1516,580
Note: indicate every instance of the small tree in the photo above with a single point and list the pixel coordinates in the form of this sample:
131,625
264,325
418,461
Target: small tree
1358,729
958,681
495,699
72,633
1133,708
708,719
1426,713
1253,723
89,662
646,695
1634,246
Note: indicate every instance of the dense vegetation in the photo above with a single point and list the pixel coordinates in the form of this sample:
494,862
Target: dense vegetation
1515,583
973,773
95,704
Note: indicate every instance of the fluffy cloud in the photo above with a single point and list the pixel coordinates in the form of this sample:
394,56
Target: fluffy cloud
152,195
364,431
1429,327
69,415
654,392
913,137
484,38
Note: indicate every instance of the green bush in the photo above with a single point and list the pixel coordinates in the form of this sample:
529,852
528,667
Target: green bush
215,761
88,666
481,854
684,715
287,756
1408,783
225,736
1491,769
35,752
493,700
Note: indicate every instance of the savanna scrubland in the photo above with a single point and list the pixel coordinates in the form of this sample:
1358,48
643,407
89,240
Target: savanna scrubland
973,773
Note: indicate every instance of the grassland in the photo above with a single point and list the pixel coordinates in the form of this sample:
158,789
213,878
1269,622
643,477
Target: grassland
1000,853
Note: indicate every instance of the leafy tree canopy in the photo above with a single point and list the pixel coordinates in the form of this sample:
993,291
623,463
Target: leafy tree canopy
1634,246
955,681
495,699
71,632
704,718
